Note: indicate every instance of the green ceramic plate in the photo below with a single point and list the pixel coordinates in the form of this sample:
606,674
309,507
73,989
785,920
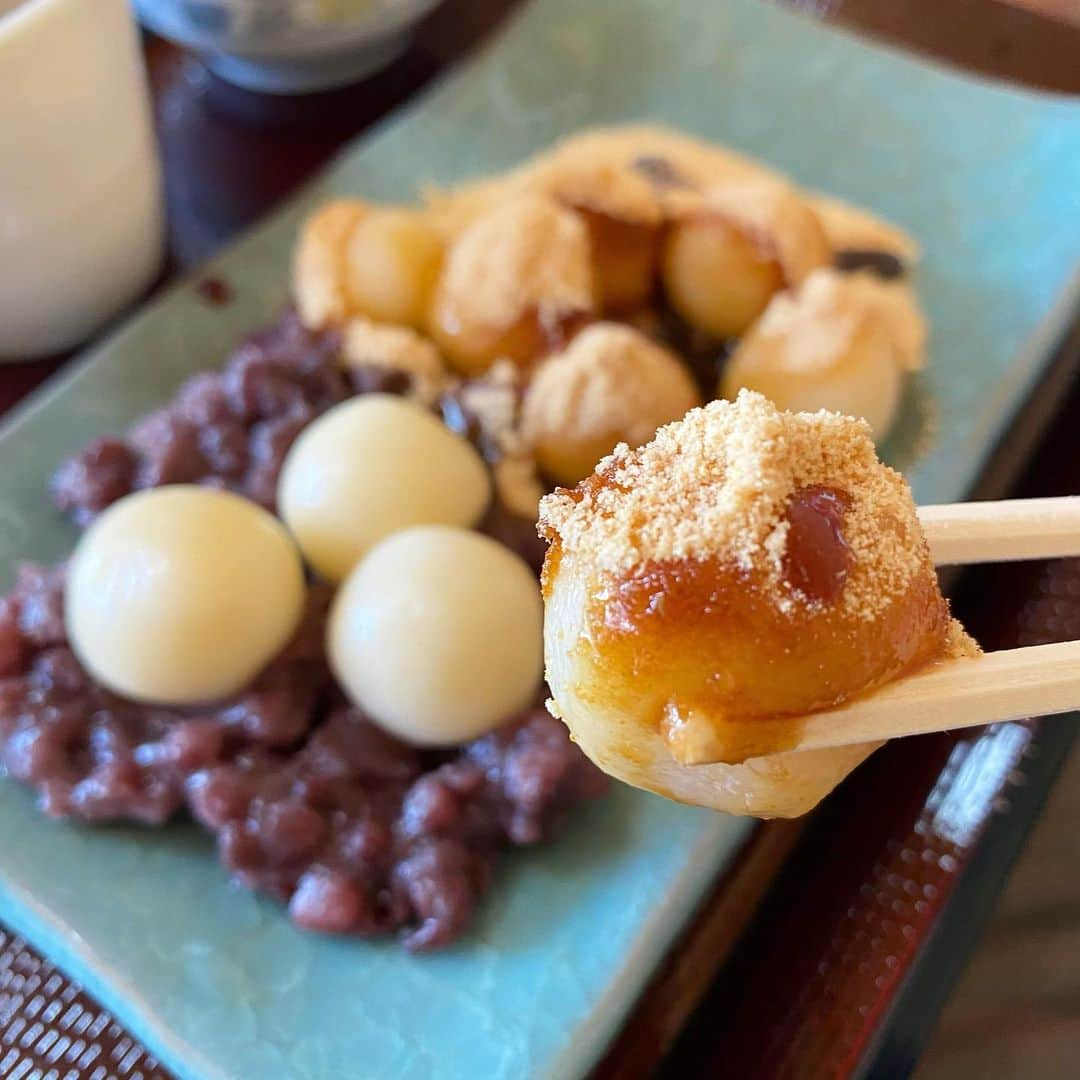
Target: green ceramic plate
215,981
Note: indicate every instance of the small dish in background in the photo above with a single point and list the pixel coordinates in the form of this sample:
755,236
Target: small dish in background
287,46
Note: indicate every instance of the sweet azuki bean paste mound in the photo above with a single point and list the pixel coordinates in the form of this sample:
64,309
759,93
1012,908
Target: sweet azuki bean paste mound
357,831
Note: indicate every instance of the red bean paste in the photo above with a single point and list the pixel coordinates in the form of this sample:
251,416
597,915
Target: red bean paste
817,559
356,831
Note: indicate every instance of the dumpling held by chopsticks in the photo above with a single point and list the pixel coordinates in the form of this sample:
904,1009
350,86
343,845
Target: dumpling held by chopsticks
745,568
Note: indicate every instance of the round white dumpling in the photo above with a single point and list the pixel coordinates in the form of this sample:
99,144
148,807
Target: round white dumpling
826,346
372,466
438,635
182,595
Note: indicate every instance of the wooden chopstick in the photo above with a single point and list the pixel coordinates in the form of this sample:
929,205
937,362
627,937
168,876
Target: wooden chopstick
1039,680
1006,531
1013,684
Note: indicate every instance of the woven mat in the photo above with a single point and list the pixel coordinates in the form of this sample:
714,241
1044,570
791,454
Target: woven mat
51,1030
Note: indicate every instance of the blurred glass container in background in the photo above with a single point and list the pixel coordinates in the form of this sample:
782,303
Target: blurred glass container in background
288,46
81,223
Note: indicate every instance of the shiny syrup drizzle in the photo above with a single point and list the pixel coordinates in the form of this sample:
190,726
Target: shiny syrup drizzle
817,559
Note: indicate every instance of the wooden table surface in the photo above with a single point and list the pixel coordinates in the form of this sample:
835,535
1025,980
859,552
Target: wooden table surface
231,156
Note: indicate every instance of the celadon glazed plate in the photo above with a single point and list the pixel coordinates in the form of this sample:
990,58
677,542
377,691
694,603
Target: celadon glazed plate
215,981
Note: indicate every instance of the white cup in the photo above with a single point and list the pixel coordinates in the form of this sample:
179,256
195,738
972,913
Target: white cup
81,224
